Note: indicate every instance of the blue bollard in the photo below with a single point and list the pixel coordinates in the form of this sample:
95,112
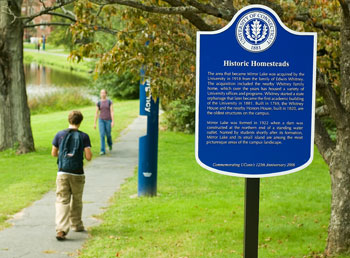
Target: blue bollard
44,42
148,144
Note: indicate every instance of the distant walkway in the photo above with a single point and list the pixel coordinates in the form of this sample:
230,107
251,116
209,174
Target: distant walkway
33,232
51,52
45,52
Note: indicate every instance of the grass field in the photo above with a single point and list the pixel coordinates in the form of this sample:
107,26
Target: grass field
82,68
48,47
200,214
25,178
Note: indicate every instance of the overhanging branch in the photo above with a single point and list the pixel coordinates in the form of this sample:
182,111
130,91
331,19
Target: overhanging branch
63,16
177,7
94,27
47,24
156,9
193,18
67,12
318,25
28,19
211,10
43,4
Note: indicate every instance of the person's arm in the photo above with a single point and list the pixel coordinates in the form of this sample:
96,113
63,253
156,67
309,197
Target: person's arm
88,153
96,116
112,114
54,151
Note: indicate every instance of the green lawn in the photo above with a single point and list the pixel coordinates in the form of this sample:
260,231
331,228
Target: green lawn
25,178
200,214
83,68
48,47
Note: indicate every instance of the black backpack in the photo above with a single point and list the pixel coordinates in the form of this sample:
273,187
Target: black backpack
71,152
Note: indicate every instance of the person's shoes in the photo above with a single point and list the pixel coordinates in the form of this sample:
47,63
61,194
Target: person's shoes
78,229
102,153
61,236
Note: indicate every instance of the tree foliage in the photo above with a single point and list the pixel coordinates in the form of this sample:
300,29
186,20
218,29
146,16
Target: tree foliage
164,44
124,86
163,39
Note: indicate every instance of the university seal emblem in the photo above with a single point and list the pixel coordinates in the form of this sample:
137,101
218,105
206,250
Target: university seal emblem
256,31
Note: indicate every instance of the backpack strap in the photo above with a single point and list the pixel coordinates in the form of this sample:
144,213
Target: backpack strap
99,104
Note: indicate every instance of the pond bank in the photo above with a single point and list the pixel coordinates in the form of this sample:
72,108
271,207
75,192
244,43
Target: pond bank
59,61
54,83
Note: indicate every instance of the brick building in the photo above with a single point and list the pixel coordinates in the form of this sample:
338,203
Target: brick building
30,7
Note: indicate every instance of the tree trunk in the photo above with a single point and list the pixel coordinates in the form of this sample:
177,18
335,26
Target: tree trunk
15,130
338,241
339,226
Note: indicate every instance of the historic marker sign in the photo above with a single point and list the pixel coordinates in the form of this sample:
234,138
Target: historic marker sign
255,96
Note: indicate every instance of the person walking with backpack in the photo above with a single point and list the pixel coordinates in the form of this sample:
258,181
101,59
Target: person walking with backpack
70,146
105,113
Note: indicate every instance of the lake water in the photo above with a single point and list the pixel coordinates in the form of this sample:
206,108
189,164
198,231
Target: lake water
41,80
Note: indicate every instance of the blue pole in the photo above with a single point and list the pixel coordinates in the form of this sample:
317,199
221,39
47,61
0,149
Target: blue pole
148,144
44,42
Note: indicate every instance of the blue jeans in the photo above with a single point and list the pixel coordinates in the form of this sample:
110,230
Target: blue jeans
105,130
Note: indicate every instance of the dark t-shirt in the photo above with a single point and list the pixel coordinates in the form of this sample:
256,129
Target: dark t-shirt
60,135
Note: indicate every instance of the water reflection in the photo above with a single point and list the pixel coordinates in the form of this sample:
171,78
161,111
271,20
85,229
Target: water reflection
41,80
44,76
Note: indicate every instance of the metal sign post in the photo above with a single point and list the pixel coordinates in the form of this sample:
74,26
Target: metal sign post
148,144
251,217
255,103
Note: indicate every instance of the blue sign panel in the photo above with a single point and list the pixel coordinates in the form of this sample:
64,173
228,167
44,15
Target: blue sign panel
255,96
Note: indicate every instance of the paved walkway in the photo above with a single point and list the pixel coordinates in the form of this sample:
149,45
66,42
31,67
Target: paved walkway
45,52
52,52
33,232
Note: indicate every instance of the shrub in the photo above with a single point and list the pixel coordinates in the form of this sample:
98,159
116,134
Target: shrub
125,86
58,101
181,115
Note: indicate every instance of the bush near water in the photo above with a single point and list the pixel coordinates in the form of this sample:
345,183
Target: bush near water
125,86
58,101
